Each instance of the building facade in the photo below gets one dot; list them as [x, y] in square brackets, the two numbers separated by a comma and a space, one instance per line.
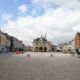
[4, 43]
[77, 40]
[3, 40]
[69, 47]
[43, 45]
[10, 43]
[28, 48]
[16, 44]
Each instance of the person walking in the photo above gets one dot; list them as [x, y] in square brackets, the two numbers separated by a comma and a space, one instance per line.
[78, 52]
[17, 51]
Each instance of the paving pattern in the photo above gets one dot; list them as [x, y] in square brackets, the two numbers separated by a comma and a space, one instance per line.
[40, 66]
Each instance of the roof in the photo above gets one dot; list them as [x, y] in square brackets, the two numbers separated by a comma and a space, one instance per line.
[38, 39]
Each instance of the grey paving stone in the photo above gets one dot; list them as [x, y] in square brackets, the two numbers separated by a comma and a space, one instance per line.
[40, 66]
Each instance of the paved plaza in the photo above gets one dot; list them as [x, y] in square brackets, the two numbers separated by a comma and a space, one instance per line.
[40, 66]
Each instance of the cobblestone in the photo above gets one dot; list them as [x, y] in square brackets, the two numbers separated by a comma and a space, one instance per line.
[40, 66]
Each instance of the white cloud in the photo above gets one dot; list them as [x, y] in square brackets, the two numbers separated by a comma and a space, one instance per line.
[59, 24]
[66, 4]
[22, 8]
[33, 12]
[6, 17]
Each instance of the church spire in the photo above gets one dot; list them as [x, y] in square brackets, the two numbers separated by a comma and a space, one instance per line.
[41, 36]
[45, 36]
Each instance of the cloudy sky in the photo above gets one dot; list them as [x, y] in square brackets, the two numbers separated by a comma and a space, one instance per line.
[28, 19]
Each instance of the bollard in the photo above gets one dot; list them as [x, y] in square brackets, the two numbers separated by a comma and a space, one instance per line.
[28, 55]
[72, 54]
[51, 55]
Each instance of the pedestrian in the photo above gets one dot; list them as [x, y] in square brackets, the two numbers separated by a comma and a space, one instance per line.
[78, 52]
[17, 51]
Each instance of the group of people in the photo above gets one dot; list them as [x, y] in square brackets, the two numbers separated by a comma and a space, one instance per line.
[19, 52]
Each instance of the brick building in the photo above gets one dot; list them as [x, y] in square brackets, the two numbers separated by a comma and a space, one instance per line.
[77, 40]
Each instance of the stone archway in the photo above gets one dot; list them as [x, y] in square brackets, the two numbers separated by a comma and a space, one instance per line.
[52, 49]
[40, 49]
[45, 49]
[36, 49]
